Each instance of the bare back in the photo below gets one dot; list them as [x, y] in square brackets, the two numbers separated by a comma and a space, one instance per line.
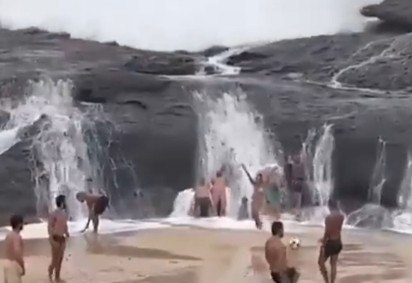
[14, 246]
[333, 225]
[276, 255]
[91, 200]
[219, 186]
[58, 223]
[202, 191]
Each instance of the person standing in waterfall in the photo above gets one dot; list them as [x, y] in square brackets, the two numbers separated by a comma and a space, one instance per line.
[203, 199]
[96, 204]
[298, 179]
[58, 233]
[331, 242]
[258, 196]
[219, 192]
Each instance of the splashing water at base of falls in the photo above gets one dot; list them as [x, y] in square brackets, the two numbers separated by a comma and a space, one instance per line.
[168, 25]
[59, 150]
[231, 133]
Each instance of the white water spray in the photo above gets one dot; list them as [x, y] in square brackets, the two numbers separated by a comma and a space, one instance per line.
[231, 133]
[169, 25]
[59, 148]
[405, 194]
[322, 165]
[378, 176]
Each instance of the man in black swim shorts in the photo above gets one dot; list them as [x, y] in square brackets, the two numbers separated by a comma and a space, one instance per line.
[331, 242]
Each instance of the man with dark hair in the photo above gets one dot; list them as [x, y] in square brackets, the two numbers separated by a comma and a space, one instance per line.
[276, 257]
[14, 265]
[331, 241]
[58, 232]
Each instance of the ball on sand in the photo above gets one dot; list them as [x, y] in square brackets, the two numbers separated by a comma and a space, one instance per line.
[294, 243]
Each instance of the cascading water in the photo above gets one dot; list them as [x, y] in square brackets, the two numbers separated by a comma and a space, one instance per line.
[231, 133]
[59, 150]
[318, 148]
[378, 177]
[373, 214]
[322, 165]
[405, 195]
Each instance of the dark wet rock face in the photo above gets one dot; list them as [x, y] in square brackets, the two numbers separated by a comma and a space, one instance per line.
[148, 126]
[162, 64]
[394, 12]
[17, 189]
[4, 118]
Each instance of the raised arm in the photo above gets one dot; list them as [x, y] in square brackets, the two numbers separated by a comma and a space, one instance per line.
[248, 175]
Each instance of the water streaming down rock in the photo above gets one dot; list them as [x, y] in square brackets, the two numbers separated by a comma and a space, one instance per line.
[405, 194]
[59, 152]
[373, 214]
[378, 176]
[231, 133]
[322, 165]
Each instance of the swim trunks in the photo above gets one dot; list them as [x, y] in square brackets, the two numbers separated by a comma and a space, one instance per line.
[289, 276]
[204, 205]
[101, 204]
[333, 247]
[59, 239]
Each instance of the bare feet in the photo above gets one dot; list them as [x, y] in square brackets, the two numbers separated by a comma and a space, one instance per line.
[50, 273]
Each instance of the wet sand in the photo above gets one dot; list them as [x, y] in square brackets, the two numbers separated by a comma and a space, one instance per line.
[193, 255]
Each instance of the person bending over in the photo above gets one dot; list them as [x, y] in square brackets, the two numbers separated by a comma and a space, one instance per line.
[96, 205]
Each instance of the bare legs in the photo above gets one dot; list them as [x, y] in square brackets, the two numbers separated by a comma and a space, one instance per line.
[95, 220]
[322, 267]
[57, 255]
[333, 266]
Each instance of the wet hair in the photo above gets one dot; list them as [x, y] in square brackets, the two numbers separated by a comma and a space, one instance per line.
[244, 200]
[61, 201]
[89, 180]
[15, 221]
[277, 228]
[333, 204]
[219, 174]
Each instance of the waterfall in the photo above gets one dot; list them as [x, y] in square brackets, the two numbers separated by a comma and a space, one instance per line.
[378, 176]
[405, 194]
[231, 133]
[59, 152]
[322, 165]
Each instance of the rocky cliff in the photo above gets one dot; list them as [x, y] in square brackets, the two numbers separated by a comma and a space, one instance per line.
[359, 82]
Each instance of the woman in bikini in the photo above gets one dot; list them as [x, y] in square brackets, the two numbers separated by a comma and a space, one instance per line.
[258, 197]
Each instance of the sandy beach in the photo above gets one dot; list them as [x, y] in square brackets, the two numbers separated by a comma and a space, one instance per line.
[194, 255]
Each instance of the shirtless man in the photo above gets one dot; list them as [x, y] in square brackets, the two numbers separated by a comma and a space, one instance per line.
[331, 242]
[96, 205]
[14, 264]
[218, 192]
[258, 196]
[203, 199]
[276, 257]
[58, 233]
